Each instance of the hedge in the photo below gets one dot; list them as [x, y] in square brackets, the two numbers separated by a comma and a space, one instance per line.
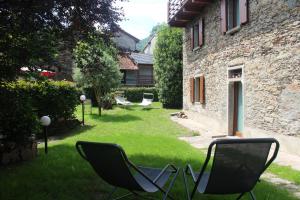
[24, 102]
[17, 118]
[135, 94]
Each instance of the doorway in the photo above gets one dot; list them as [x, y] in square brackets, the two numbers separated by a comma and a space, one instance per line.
[236, 108]
[238, 114]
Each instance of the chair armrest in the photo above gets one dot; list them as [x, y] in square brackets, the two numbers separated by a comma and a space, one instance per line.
[80, 151]
[189, 170]
[164, 170]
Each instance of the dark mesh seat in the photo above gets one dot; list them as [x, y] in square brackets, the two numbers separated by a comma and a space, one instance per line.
[237, 166]
[111, 163]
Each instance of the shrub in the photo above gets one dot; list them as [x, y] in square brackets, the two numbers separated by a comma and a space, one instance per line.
[58, 99]
[135, 94]
[108, 101]
[17, 118]
[168, 67]
[23, 103]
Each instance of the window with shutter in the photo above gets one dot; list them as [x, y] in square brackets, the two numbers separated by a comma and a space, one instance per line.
[192, 37]
[243, 11]
[233, 14]
[197, 33]
[201, 31]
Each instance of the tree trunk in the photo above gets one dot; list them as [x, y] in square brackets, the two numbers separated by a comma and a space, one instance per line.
[99, 107]
[98, 98]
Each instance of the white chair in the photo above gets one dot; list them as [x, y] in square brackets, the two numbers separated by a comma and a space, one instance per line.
[147, 99]
[122, 101]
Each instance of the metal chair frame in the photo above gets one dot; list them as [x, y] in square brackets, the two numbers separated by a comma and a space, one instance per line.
[169, 167]
[189, 170]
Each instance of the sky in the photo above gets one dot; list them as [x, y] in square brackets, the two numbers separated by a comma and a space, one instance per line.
[142, 15]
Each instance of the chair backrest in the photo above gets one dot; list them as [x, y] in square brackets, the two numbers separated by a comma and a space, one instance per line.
[120, 100]
[110, 163]
[148, 96]
[238, 164]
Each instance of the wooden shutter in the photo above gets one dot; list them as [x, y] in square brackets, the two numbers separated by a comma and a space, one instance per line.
[243, 11]
[201, 31]
[223, 17]
[202, 90]
[199, 89]
[192, 37]
[192, 86]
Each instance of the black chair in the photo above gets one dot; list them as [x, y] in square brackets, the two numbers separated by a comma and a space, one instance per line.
[112, 165]
[236, 167]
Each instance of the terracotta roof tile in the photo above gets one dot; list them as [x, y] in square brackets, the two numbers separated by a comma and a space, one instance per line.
[126, 63]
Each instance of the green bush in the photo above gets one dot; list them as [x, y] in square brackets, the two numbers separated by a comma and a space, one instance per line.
[135, 94]
[23, 103]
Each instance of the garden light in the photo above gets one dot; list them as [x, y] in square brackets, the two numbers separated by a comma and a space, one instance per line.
[45, 122]
[82, 99]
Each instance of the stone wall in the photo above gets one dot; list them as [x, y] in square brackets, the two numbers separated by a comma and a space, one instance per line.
[268, 47]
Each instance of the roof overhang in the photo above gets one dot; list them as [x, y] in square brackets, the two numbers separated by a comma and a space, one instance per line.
[181, 12]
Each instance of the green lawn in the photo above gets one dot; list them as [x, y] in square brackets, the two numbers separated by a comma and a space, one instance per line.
[148, 137]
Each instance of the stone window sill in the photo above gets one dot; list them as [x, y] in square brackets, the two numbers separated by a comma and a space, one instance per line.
[233, 30]
[195, 49]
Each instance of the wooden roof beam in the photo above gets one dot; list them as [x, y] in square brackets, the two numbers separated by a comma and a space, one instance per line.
[190, 12]
[200, 2]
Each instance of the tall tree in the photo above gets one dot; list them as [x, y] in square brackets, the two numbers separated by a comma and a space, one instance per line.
[168, 66]
[97, 62]
[30, 30]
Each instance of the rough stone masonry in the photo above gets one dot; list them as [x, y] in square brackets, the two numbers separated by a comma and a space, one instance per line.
[268, 48]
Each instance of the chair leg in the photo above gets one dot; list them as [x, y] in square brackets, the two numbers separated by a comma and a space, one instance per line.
[240, 196]
[171, 186]
[186, 186]
[141, 196]
[121, 197]
[125, 195]
[252, 195]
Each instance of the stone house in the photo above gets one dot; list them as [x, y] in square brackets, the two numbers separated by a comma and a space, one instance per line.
[241, 66]
[137, 68]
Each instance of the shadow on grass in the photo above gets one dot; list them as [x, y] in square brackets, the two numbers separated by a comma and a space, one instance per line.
[75, 131]
[149, 108]
[63, 174]
[115, 118]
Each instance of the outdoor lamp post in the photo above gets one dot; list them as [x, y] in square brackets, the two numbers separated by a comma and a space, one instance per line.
[82, 99]
[45, 122]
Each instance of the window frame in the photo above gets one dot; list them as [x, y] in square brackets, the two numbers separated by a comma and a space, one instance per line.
[233, 11]
[197, 86]
[197, 42]
[195, 39]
